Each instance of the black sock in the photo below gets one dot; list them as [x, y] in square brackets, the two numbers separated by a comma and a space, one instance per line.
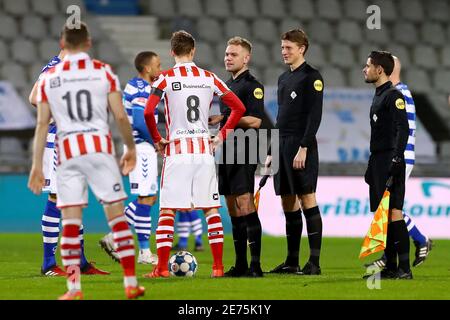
[240, 241]
[314, 227]
[402, 244]
[294, 226]
[254, 233]
[391, 250]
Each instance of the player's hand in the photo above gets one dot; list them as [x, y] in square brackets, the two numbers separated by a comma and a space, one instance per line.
[36, 181]
[128, 161]
[213, 120]
[160, 146]
[216, 142]
[267, 163]
[300, 159]
[396, 167]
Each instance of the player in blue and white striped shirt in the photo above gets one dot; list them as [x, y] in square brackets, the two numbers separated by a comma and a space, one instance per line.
[422, 243]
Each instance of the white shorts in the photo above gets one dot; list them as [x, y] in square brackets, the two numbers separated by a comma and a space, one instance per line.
[98, 170]
[50, 162]
[188, 181]
[144, 177]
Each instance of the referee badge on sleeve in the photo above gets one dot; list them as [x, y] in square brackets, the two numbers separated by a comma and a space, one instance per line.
[400, 103]
[258, 93]
[318, 85]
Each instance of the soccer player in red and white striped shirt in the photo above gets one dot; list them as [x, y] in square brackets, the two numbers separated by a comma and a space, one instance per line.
[188, 178]
[76, 93]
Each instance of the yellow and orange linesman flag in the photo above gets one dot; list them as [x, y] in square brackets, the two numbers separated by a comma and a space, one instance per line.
[375, 239]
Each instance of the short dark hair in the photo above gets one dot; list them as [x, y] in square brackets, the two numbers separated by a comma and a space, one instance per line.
[298, 36]
[142, 59]
[383, 59]
[182, 43]
[75, 37]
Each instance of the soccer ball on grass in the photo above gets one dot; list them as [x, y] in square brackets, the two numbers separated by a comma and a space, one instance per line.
[183, 264]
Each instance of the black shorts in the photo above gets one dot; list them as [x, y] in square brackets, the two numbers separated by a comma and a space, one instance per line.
[287, 180]
[236, 179]
[376, 176]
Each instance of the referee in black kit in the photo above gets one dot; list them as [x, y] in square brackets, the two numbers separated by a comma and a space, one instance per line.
[237, 181]
[300, 98]
[388, 139]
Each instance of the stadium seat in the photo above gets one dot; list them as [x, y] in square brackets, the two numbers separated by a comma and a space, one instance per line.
[245, 9]
[417, 80]
[237, 27]
[4, 54]
[411, 10]
[432, 33]
[209, 30]
[402, 53]
[34, 27]
[48, 48]
[356, 78]
[190, 8]
[64, 4]
[315, 55]
[95, 29]
[217, 9]
[320, 31]
[349, 32]
[219, 52]
[219, 71]
[11, 146]
[302, 9]
[264, 30]
[15, 73]
[273, 9]
[329, 9]
[425, 57]
[204, 54]
[362, 53]
[378, 36]
[260, 55]
[388, 10]
[46, 8]
[445, 56]
[332, 77]
[438, 10]
[8, 27]
[276, 54]
[125, 72]
[355, 9]
[35, 70]
[24, 51]
[405, 33]
[162, 9]
[16, 7]
[289, 24]
[56, 24]
[441, 80]
[108, 52]
[341, 55]
[271, 75]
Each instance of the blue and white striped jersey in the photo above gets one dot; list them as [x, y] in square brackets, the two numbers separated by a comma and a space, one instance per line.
[411, 113]
[135, 98]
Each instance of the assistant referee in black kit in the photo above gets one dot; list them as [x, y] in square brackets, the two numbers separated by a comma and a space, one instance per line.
[237, 180]
[388, 139]
[300, 98]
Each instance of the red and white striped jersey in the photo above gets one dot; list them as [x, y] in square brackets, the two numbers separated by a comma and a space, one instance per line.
[77, 91]
[188, 93]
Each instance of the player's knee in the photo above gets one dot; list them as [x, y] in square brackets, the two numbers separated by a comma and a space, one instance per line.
[290, 203]
[245, 204]
[210, 211]
[308, 201]
[149, 200]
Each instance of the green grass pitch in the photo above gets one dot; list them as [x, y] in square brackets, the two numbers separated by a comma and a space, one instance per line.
[20, 261]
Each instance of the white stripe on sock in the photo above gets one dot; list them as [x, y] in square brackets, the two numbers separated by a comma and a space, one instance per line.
[50, 229]
[51, 219]
[163, 244]
[165, 228]
[130, 281]
[66, 240]
[50, 239]
[122, 234]
[76, 222]
[216, 240]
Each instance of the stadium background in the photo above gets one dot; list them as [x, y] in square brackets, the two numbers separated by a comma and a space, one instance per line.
[416, 31]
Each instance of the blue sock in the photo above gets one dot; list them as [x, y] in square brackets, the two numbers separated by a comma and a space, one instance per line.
[50, 233]
[183, 225]
[83, 261]
[413, 231]
[196, 226]
[129, 211]
[142, 224]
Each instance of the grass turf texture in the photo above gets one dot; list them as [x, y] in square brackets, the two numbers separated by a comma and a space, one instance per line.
[21, 256]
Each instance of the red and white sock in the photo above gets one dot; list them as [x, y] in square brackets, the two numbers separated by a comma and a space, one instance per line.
[215, 237]
[124, 245]
[71, 252]
[164, 238]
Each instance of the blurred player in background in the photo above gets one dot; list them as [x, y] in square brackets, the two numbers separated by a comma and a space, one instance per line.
[144, 177]
[52, 215]
[189, 222]
[188, 178]
[77, 92]
[422, 243]
[236, 180]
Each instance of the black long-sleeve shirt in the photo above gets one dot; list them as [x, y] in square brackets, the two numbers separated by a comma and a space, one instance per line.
[388, 121]
[300, 100]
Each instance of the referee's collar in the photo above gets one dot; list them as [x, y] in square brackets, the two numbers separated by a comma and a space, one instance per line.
[76, 56]
[383, 87]
[300, 67]
[242, 75]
